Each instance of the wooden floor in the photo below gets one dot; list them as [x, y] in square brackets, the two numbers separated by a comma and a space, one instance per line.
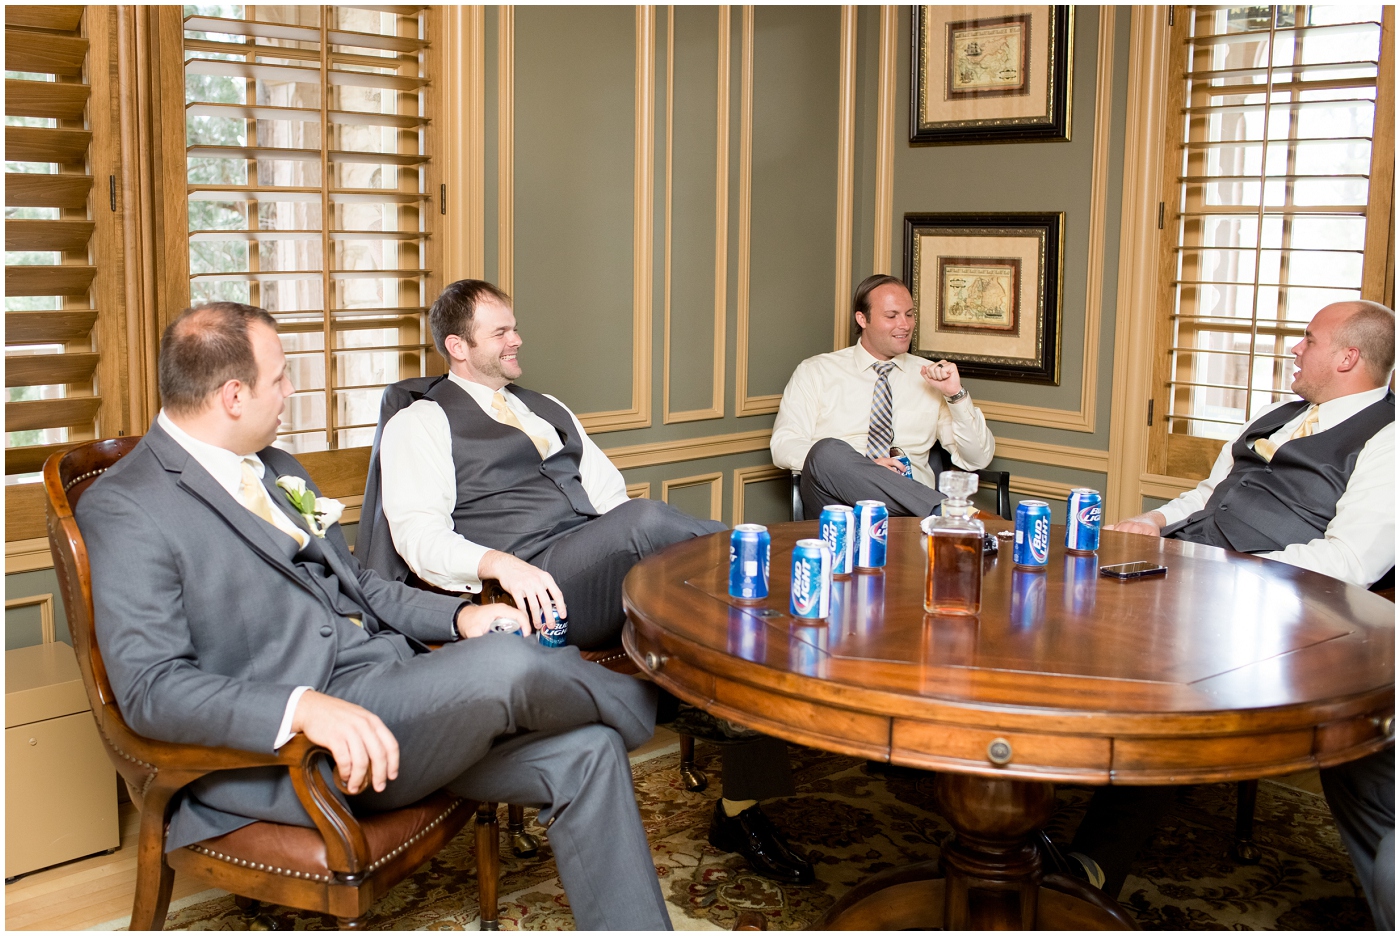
[96, 891]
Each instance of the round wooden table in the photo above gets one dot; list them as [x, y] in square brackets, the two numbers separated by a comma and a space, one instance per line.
[1229, 667]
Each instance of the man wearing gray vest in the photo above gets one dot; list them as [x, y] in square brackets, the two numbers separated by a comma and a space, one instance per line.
[483, 478]
[1310, 482]
[231, 616]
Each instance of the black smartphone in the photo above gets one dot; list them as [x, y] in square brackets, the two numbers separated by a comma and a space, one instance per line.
[1132, 570]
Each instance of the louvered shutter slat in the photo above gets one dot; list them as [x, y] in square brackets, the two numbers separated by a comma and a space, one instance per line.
[32, 370]
[26, 234]
[39, 190]
[49, 327]
[46, 414]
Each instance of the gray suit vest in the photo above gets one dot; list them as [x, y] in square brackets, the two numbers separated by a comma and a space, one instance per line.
[1265, 506]
[507, 498]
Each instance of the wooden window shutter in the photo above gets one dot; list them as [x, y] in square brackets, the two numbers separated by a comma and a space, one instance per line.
[62, 265]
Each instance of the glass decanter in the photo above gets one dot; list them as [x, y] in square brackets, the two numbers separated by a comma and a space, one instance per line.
[954, 582]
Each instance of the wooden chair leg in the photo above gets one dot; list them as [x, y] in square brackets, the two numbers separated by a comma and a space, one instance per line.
[693, 777]
[488, 864]
[522, 843]
[154, 876]
[1244, 849]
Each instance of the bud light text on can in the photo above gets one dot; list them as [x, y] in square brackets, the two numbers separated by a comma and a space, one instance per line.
[553, 629]
[872, 527]
[749, 545]
[1083, 516]
[838, 529]
[1032, 549]
[811, 579]
[905, 464]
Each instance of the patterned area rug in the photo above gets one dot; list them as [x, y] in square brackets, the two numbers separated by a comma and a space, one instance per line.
[855, 823]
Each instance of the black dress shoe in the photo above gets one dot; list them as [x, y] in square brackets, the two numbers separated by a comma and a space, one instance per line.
[753, 835]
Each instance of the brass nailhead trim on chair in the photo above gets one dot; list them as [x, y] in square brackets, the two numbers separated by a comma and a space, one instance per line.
[620, 655]
[324, 878]
[81, 478]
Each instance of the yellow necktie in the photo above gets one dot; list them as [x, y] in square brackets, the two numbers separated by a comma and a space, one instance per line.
[506, 415]
[1307, 427]
[253, 495]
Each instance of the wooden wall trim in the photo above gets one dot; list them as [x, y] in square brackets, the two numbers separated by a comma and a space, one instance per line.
[638, 415]
[505, 149]
[462, 60]
[1163, 486]
[1062, 456]
[639, 490]
[28, 555]
[47, 631]
[1137, 262]
[745, 405]
[716, 408]
[1083, 419]
[647, 454]
[752, 475]
[714, 480]
[1037, 487]
[885, 130]
[845, 177]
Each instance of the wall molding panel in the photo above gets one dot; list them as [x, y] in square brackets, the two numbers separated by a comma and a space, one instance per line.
[677, 450]
[1036, 487]
[505, 147]
[47, 629]
[845, 178]
[1061, 456]
[463, 57]
[27, 555]
[716, 408]
[885, 124]
[635, 491]
[754, 475]
[1083, 419]
[1163, 486]
[714, 480]
[745, 405]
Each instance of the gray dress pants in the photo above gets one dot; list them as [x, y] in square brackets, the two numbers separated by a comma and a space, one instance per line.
[835, 473]
[498, 718]
[1361, 795]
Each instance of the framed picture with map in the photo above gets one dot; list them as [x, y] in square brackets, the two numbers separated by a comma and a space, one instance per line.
[986, 74]
[988, 289]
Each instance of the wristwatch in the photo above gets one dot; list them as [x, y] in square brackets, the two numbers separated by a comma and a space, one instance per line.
[957, 396]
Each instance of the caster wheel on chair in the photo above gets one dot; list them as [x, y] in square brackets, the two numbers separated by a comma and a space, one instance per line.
[694, 778]
[524, 845]
[1245, 852]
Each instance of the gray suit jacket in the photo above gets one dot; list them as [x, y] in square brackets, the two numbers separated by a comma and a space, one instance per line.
[208, 618]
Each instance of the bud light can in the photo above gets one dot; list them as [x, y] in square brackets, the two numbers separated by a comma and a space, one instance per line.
[553, 629]
[748, 561]
[906, 465]
[1083, 514]
[1032, 550]
[811, 579]
[872, 525]
[838, 528]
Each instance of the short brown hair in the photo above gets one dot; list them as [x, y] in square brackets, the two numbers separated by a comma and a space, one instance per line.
[1371, 330]
[204, 348]
[454, 310]
[861, 301]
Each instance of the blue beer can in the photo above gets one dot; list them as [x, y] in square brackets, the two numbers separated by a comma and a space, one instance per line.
[1083, 515]
[748, 561]
[811, 579]
[1032, 550]
[553, 629]
[838, 527]
[872, 525]
[905, 464]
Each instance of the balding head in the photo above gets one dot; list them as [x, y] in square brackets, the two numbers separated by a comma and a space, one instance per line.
[1369, 328]
[205, 347]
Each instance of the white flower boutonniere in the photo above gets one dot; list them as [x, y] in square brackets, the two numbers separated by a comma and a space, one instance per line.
[318, 512]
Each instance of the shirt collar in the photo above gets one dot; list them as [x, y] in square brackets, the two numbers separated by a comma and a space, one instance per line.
[481, 393]
[225, 466]
[864, 360]
[1334, 412]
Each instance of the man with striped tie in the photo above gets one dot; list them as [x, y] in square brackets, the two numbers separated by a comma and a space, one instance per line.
[842, 412]
[1310, 482]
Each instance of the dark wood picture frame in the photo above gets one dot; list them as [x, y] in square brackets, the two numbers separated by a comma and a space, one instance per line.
[1034, 307]
[929, 66]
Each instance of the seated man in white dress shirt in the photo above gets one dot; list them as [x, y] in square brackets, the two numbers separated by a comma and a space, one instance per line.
[483, 478]
[1310, 482]
[843, 411]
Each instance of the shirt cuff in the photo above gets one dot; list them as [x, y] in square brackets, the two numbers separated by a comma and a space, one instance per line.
[963, 409]
[1172, 512]
[284, 731]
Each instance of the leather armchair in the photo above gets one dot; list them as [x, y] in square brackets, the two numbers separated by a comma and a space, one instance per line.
[340, 867]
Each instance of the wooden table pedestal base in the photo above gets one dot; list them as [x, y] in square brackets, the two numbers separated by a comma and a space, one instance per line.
[989, 878]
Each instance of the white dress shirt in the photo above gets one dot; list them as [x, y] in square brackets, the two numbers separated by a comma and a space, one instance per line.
[1358, 545]
[227, 469]
[829, 397]
[420, 484]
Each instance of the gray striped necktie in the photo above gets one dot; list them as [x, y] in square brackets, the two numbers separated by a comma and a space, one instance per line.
[881, 436]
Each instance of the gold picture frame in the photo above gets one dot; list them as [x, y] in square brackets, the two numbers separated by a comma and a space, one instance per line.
[984, 74]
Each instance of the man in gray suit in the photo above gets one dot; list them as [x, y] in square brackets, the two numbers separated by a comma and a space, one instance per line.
[230, 617]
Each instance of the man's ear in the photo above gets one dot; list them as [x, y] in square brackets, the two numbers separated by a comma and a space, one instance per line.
[1349, 361]
[230, 397]
[456, 347]
[862, 320]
